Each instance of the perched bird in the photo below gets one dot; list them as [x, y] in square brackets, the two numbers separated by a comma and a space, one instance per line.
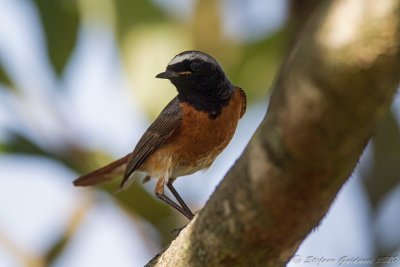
[190, 132]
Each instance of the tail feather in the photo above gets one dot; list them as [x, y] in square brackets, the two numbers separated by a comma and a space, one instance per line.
[106, 173]
[126, 183]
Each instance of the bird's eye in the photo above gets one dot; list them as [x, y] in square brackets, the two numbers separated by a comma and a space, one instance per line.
[195, 65]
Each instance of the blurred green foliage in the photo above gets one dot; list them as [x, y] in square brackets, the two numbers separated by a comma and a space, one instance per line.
[4, 79]
[384, 174]
[60, 20]
[131, 14]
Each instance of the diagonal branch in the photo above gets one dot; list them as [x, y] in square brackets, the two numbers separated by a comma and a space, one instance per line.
[337, 82]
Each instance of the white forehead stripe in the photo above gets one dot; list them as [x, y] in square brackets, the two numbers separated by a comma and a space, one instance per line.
[189, 56]
[180, 58]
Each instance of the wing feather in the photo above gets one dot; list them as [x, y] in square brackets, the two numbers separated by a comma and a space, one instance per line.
[168, 120]
[244, 101]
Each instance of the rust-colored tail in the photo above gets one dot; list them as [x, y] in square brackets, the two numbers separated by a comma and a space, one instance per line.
[108, 172]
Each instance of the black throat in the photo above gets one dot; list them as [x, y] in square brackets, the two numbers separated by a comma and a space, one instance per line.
[208, 101]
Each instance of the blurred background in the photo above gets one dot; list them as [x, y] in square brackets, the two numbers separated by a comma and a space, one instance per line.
[77, 90]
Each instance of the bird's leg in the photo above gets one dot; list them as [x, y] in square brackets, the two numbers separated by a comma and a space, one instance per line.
[159, 191]
[178, 197]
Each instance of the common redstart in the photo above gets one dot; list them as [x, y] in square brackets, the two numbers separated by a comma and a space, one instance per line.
[190, 132]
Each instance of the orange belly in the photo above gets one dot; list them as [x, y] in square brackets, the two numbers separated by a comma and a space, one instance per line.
[196, 143]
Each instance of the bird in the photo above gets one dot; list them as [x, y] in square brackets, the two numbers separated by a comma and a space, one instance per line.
[189, 133]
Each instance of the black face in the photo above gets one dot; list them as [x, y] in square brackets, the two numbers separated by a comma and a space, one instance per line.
[199, 80]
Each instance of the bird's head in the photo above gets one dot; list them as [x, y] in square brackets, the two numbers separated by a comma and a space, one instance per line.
[196, 72]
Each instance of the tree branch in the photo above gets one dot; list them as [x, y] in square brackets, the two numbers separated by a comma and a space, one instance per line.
[337, 82]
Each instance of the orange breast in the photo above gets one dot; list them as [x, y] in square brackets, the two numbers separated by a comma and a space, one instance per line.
[196, 143]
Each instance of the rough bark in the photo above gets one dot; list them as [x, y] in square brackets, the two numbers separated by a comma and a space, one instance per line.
[337, 82]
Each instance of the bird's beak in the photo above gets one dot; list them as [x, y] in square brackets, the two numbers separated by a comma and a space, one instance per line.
[167, 75]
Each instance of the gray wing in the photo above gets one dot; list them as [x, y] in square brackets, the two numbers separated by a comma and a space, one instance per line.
[168, 120]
